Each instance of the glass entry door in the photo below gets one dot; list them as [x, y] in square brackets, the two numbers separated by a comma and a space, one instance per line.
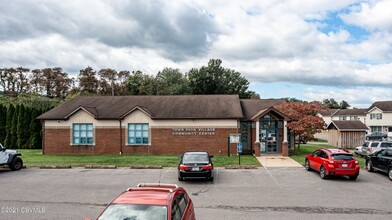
[269, 140]
[268, 135]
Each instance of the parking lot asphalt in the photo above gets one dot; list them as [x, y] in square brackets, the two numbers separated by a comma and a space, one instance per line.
[264, 193]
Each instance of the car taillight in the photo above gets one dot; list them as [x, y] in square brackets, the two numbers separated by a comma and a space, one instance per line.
[208, 167]
[356, 162]
[183, 167]
[369, 149]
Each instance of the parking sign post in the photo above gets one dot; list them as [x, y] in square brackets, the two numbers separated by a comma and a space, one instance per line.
[239, 151]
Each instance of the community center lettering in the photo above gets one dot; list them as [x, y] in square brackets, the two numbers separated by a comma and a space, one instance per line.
[193, 131]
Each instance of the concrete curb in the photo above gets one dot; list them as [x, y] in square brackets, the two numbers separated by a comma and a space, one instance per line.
[145, 167]
[241, 167]
[100, 167]
[55, 167]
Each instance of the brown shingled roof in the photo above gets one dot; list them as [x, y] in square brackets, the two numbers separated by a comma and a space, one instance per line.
[159, 107]
[328, 111]
[385, 106]
[348, 125]
[354, 111]
[250, 107]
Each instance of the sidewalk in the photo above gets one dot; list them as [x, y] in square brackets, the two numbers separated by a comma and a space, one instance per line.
[277, 161]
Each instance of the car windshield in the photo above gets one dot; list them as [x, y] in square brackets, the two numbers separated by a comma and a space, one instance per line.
[342, 157]
[134, 212]
[195, 158]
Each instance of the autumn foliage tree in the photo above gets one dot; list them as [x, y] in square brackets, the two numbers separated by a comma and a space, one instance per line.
[304, 122]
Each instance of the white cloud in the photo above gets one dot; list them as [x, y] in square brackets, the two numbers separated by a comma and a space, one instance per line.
[356, 97]
[371, 16]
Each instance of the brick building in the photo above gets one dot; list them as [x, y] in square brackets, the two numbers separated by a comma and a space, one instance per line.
[88, 125]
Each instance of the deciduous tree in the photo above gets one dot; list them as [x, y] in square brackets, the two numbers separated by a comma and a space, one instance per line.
[108, 81]
[139, 83]
[344, 105]
[304, 121]
[88, 81]
[215, 79]
[172, 82]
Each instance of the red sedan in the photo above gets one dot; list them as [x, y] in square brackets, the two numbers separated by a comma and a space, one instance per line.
[333, 162]
[155, 201]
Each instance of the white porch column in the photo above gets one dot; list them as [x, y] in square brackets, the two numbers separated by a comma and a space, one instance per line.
[257, 131]
[285, 131]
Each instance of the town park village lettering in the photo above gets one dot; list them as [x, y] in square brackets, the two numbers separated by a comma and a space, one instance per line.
[193, 131]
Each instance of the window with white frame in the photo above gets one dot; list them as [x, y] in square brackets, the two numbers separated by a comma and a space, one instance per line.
[342, 118]
[354, 118]
[375, 116]
[138, 134]
[375, 128]
[82, 133]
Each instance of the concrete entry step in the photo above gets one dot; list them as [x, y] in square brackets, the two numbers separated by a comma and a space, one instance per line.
[277, 161]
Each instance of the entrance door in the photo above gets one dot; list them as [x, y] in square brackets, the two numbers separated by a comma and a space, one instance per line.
[272, 145]
[269, 140]
[269, 127]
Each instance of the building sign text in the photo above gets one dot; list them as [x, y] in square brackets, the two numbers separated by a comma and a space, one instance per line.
[193, 131]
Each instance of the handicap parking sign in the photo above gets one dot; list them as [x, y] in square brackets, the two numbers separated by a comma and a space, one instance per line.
[239, 148]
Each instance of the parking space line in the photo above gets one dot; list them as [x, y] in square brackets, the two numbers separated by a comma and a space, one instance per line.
[216, 176]
[272, 177]
[161, 176]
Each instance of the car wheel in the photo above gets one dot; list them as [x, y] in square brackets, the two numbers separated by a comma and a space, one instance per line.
[16, 164]
[307, 165]
[323, 174]
[211, 179]
[369, 166]
[353, 177]
[390, 174]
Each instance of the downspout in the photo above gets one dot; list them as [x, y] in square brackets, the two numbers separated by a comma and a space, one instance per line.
[43, 136]
[121, 148]
[251, 138]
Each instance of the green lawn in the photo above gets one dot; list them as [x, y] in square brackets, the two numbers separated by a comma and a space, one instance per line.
[307, 149]
[34, 158]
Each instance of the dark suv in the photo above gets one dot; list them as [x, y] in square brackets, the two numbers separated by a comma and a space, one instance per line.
[381, 161]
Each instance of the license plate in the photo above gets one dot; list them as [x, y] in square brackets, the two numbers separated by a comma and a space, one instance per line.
[195, 169]
[344, 165]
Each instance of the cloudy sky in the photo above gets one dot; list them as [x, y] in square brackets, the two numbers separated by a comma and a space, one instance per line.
[307, 49]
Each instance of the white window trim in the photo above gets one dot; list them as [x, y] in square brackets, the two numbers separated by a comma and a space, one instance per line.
[135, 144]
[71, 136]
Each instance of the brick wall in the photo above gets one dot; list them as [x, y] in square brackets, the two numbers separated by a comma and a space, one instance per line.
[107, 141]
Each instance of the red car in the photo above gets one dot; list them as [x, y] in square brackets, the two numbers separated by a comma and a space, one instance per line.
[333, 162]
[155, 201]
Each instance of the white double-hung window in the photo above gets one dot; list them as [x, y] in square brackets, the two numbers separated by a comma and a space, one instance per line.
[138, 134]
[375, 116]
[82, 133]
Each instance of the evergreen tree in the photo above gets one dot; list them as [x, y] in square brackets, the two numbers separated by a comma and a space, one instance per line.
[35, 130]
[10, 116]
[26, 133]
[14, 124]
[3, 123]
[19, 127]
